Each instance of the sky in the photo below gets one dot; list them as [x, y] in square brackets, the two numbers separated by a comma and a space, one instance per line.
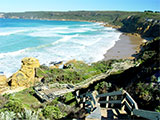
[75, 5]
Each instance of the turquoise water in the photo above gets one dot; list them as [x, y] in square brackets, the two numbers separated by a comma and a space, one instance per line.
[51, 41]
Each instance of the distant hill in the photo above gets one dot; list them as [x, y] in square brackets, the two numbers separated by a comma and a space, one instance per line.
[143, 23]
[106, 16]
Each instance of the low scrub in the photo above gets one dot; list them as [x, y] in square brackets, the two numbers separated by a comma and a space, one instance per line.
[73, 72]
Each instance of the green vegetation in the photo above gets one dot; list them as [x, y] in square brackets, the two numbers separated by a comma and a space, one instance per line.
[26, 97]
[52, 112]
[69, 99]
[14, 106]
[158, 109]
[112, 17]
[23, 105]
[74, 72]
[103, 87]
[104, 66]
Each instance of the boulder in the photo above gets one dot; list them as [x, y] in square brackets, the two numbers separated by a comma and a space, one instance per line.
[25, 77]
[56, 65]
[69, 64]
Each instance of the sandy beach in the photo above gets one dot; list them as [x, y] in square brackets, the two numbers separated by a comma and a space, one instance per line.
[126, 47]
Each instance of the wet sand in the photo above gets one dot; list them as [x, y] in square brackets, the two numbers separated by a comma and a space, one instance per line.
[126, 47]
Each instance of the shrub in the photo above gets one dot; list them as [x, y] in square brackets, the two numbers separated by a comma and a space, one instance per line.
[103, 66]
[69, 99]
[52, 112]
[13, 105]
[103, 86]
[55, 101]
[157, 109]
[75, 74]
[31, 91]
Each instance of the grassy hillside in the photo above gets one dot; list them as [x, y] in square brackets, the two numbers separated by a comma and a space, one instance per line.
[112, 17]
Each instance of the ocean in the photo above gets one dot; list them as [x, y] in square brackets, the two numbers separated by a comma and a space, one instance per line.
[52, 41]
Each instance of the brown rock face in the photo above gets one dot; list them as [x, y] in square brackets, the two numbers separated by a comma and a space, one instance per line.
[69, 64]
[3, 83]
[3, 80]
[26, 75]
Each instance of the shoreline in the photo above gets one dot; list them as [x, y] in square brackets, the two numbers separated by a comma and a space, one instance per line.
[125, 48]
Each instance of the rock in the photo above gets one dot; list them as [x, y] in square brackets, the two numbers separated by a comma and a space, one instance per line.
[113, 26]
[69, 64]
[3, 83]
[56, 64]
[3, 80]
[25, 77]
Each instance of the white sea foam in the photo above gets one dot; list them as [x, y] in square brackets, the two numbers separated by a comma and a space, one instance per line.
[10, 32]
[2, 55]
[42, 34]
[65, 38]
[52, 32]
[109, 28]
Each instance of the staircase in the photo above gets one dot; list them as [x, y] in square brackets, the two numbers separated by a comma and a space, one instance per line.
[112, 106]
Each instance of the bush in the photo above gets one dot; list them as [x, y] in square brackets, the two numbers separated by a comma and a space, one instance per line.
[52, 112]
[31, 91]
[55, 101]
[103, 86]
[157, 109]
[103, 66]
[68, 99]
[144, 91]
[13, 105]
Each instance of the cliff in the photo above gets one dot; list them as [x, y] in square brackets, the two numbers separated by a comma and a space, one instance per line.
[144, 26]
[142, 82]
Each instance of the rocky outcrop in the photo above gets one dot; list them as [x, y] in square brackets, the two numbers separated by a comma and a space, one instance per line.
[113, 26]
[3, 80]
[26, 75]
[3, 83]
[144, 27]
[69, 64]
